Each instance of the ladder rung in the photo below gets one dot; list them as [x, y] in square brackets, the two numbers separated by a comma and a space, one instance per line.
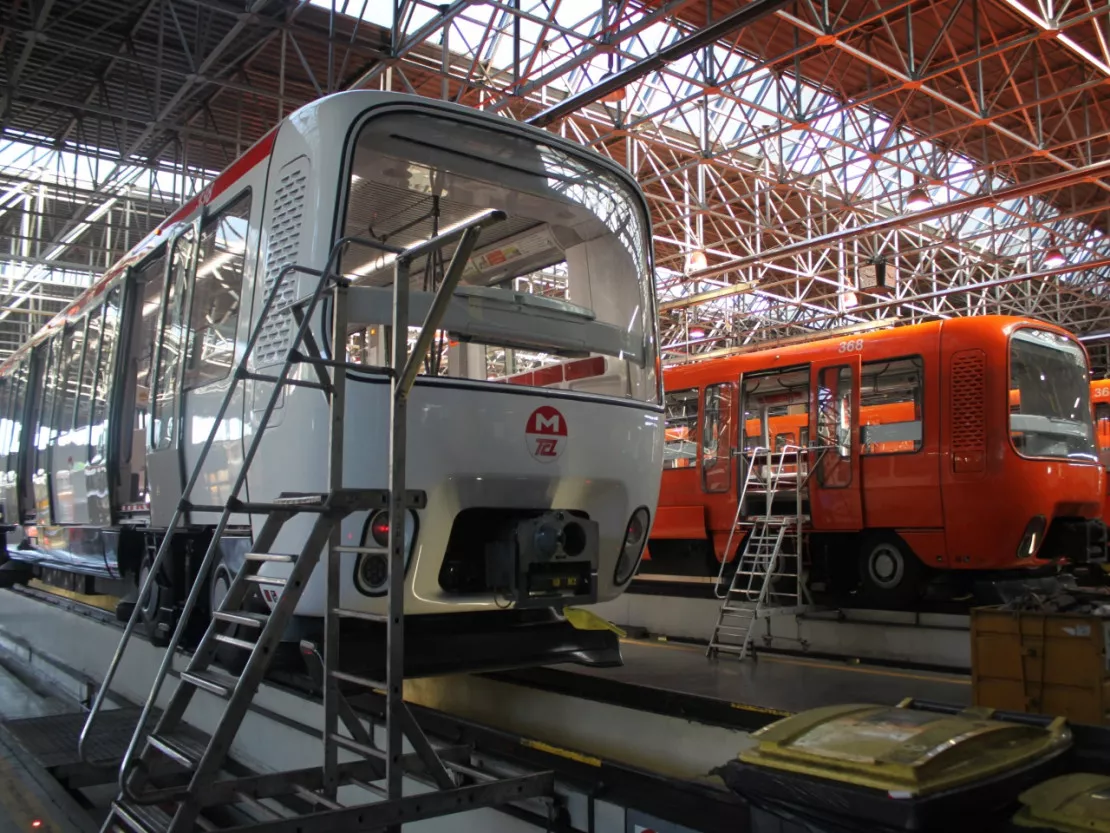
[278, 557]
[363, 550]
[185, 751]
[360, 748]
[307, 499]
[315, 798]
[211, 681]
[237, 643]
[276, 581]
[301, 358]
[726, 629]
[362, 681]
[242, 617]
[297, 383]
[365, 615]
[727, 647]
[141, 817]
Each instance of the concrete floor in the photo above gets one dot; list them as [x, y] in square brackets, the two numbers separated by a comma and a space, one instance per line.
[775, 682]
[30, 799]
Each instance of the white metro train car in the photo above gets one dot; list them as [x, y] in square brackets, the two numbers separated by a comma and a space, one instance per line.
[541, 397]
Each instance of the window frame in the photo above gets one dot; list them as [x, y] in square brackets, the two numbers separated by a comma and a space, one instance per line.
[922, 387]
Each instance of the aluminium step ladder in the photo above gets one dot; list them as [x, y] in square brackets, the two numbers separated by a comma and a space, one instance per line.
[179, 803]
[769, 578]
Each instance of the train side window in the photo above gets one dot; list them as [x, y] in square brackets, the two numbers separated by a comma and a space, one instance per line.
[98, 436]
[716, 437]
[88, 376]
[679, 447]
[834, 426]
[72, 350]
[1102, 431]
[783, 440]
[214, 311]
[892, 406]
[45, 416]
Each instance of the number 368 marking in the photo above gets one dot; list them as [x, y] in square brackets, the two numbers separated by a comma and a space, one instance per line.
[851, 346]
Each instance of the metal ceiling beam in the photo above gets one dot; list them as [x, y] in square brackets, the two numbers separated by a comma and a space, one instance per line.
[707, 36]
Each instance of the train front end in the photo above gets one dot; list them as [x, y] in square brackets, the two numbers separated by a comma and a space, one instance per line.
[535, 425]
[1032, 497]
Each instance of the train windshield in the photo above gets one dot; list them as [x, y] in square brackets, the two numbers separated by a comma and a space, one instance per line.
[1050, 405]
[557, 295]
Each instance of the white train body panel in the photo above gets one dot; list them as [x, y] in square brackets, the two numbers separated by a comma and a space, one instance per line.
[468, 447]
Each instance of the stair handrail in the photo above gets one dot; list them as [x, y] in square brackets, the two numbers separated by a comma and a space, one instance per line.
[735, 523]
[324, 277]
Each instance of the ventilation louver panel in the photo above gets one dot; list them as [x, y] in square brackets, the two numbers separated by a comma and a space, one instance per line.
[967, 386]
[286, 219]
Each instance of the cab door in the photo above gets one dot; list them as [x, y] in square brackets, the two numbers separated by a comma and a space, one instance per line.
[165, 470]
[835, 481]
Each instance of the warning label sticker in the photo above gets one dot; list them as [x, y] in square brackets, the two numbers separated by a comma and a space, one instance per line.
[545, 435]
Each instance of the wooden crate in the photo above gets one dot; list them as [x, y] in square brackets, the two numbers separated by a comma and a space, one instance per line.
[1046, 663]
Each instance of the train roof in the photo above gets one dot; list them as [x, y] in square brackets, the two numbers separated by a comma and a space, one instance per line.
[900, 339]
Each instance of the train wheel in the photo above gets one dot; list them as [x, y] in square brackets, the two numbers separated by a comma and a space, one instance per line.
[890, 574]
[150, 608]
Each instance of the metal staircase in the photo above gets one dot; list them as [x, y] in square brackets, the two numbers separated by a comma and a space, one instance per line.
[769, 579]
[168, 780]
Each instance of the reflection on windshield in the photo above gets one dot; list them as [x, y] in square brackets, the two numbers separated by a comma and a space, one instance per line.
[558, 294]
[1050, 406]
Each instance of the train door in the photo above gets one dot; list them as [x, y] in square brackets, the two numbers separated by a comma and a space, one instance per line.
[774, 416]
[211, 336]
[834, 485]
[164, 463]
[128, 438]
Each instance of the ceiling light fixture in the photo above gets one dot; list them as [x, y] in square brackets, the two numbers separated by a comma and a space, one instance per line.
[1054, 258]
[918, 199]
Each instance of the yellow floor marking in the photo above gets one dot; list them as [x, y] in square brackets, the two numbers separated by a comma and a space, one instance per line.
[569, 754]
[103, 602]
[873, 670]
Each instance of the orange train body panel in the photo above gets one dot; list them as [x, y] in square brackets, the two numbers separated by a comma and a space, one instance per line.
[962, 433]
[1100, 403]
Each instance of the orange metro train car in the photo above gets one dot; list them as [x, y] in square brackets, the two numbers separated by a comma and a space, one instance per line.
[960, 447]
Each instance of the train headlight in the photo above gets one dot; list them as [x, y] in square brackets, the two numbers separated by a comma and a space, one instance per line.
[372, 568]
[635, 537]
[1033, 537]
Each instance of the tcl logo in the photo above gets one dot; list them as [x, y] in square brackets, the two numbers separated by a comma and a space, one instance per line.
[545, 434]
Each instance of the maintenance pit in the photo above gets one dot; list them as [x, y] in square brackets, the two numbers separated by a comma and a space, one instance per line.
[628, 746]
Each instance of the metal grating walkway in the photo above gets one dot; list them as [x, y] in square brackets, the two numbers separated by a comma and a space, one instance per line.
[52, 740]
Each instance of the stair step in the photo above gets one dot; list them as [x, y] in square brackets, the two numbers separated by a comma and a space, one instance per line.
[365, 682]
[211, 681]
[242, 617]
[727, 647]
[142, 818]
[234, 642]
[365, 615]
[276, 557]
[183, 749]
[726, 629]
[363, 550]
[360, 748]
[276, 581]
